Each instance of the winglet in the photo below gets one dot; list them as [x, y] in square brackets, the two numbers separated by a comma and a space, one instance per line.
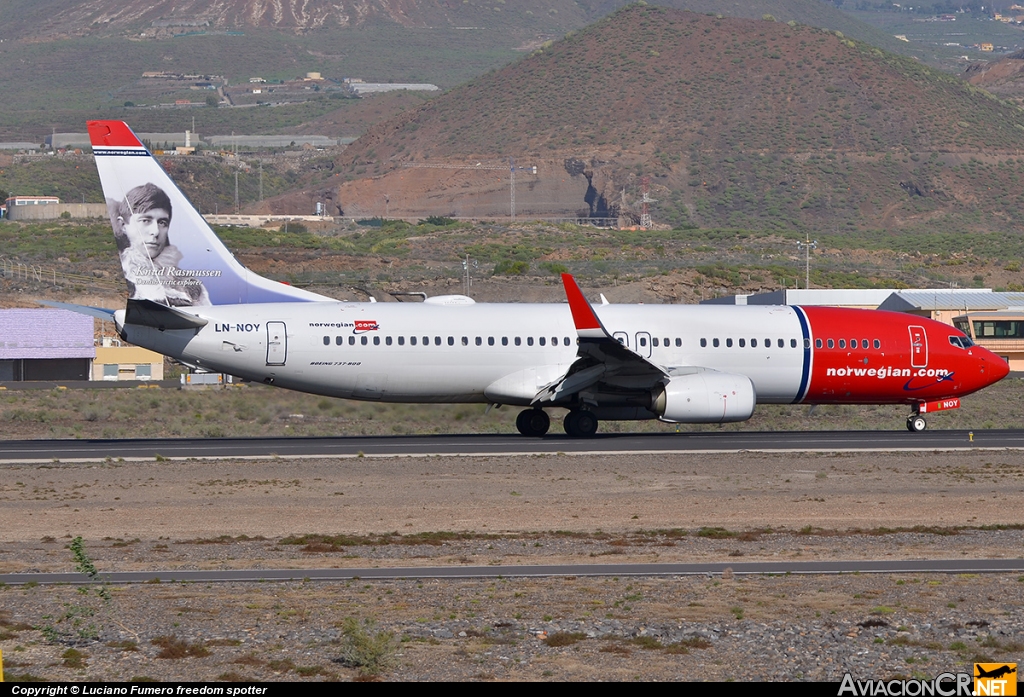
[587, 324]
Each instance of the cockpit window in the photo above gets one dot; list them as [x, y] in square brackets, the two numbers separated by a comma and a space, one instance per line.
[961, 341]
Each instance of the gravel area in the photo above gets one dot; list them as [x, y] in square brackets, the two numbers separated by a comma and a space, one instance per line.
[554, 509]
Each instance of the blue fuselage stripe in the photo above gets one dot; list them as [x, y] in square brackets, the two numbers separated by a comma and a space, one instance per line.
[805, 373]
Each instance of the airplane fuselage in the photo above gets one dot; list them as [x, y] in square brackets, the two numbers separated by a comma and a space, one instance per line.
[506, 353]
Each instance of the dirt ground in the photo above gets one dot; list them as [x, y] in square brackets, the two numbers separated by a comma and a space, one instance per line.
[516, 510]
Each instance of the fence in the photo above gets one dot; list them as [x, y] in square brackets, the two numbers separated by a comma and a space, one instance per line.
[30, 272]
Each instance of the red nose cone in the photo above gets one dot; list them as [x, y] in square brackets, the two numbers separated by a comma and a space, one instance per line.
[1000, 368]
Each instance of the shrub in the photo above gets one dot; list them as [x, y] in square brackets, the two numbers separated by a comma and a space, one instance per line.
[365, 648]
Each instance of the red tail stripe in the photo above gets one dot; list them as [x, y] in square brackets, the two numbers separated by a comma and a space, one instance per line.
[114, 134]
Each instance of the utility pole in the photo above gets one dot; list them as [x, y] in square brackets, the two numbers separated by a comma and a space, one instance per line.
[807, 247]
[236, 190]
[261, 180]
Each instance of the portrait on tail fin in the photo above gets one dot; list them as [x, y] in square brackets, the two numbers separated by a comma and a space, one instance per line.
[141, 222]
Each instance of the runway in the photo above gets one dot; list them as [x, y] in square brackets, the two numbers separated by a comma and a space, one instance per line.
[510, 444]
[942, 566]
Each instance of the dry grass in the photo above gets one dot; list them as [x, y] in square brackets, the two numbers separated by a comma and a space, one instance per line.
[173, 648]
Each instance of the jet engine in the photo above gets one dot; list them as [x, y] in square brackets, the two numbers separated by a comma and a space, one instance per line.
[705, 396]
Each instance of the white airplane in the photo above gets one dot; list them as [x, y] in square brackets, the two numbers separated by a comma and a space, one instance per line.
[191, 300]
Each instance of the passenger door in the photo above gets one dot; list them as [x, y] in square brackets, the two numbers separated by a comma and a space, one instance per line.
[277, 343]
[918, 346]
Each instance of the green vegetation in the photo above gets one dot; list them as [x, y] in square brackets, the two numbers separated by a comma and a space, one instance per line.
[366, 648]
[82, 620]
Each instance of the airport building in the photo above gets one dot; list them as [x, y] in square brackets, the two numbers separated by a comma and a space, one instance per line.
[58, 345]
[45, 344]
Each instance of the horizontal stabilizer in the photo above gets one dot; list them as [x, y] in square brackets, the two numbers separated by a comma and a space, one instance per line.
[151, 314]
[97, 312]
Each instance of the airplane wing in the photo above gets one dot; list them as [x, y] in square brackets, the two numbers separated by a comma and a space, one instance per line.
[601, 359]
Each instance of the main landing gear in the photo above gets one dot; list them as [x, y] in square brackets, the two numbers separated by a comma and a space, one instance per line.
[916, 423]
[580, 424]
[533, 422]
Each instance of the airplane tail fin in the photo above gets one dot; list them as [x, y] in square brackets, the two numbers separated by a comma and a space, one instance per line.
[169, 254]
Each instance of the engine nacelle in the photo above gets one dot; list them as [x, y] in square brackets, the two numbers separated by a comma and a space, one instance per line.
[706, 396]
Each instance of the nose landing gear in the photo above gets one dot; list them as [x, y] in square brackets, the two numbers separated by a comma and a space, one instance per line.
[916, 423]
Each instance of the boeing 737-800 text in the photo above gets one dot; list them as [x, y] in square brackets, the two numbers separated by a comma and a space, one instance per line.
[191, 300]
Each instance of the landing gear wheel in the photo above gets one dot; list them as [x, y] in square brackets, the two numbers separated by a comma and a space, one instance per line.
[533, 422]
[580, 424]
[916, 423]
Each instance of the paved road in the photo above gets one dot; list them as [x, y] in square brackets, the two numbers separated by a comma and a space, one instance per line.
[958, 566]
[733, 441]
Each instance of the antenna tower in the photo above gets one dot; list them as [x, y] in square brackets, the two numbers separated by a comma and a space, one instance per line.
[645, 212]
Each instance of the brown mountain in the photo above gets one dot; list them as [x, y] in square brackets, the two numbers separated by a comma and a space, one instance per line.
[748, 123]
[1003, 77]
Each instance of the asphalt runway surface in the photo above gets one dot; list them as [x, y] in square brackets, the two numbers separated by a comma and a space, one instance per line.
[507, 444]
[949, 566]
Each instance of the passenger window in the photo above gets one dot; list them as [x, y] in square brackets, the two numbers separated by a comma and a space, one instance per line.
[714, 342]
[643, 341]
[703, 343]
[490, 341]
[362, 340]
[782, 344]
[437, 341]
[842, 343]
[679, 342]
[504, 341]
[479, 341]
[519, 342]
[753, 343]
[567, 343]
[401, 341]
[831, 343]
[654, 342]
[817, 343]
[451, 341]
[543, 341]
[387, 340]
[376, 341]
[863, 343]
[878, 344]
[767, 343]
[412, 341]
[351, 341]
[465, 341]
[554, 341]
[327, 341]
[426, 340]
[529, 341]
[743, 343]
[728, 343]
[807, 343]
[792, 343]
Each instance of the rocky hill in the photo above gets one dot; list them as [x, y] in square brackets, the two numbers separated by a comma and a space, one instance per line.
[1003, 77]
[737, 122]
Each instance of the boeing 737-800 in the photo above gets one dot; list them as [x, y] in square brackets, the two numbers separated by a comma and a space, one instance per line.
[191, 300]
